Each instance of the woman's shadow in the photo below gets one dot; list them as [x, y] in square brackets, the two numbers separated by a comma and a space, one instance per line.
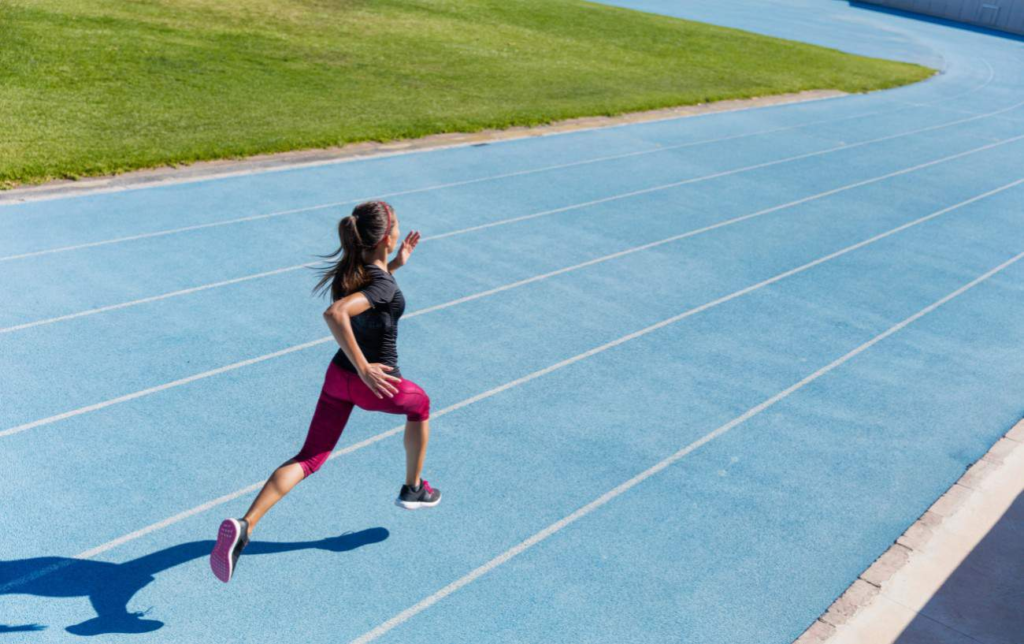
[111, 586]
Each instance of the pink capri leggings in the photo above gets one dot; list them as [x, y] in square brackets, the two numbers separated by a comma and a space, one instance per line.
[342, 391]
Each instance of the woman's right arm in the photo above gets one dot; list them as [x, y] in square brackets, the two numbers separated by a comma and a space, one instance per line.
[339, 320]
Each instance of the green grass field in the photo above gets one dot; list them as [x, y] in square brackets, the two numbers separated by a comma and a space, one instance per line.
[102, 86]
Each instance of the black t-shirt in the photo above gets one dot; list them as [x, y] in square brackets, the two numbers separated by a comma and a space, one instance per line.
[376, 330]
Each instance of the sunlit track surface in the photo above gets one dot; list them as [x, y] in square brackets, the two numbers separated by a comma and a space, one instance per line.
[689, 377]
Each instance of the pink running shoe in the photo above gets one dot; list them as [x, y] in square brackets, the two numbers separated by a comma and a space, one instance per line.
[423, 496]
[232, 538]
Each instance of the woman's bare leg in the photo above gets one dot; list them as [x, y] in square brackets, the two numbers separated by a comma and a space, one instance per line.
[280, 483]
[417, 434]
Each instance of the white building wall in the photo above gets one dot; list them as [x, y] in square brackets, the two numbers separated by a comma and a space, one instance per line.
[1005, 15]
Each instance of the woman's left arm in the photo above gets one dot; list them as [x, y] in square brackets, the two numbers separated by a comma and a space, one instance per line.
[404, 251]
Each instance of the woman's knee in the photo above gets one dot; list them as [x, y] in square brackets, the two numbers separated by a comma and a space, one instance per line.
[310, 463]
[325, 429]
[415, 402]
[419, 408]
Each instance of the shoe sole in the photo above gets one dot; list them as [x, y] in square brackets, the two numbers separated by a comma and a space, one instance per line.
[416, 505]
[220, 559]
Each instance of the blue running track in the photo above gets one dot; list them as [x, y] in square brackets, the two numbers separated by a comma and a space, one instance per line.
[689, 377]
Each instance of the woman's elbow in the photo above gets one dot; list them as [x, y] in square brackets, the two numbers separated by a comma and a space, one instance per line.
[334, 313]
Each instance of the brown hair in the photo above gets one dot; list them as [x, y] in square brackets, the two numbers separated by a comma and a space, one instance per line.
[365, 229]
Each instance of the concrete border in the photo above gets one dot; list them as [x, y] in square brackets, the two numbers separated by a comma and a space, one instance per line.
[855, 610]
[211, 170]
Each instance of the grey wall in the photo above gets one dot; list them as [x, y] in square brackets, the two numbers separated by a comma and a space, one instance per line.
[1005, 15]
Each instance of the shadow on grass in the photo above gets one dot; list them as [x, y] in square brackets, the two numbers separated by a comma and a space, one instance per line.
[110, 586]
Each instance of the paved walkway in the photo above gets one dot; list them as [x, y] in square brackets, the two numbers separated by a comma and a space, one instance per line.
[964, 581]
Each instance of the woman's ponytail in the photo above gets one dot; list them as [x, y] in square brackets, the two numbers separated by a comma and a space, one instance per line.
[346, 273]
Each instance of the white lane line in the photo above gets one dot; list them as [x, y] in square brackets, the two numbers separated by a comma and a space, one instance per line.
[154, 298]
[245, 278]
[716, 175]
[509, 385]
[988, 81]
[1008, 119]
[644, 191]
[276, 354]
[555, 527]
[167, 385]
[967, 92]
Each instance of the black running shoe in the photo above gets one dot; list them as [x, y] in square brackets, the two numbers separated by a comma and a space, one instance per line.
[232, 538]
[415, 498]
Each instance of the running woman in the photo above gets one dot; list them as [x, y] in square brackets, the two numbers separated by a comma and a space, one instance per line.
[363, 317]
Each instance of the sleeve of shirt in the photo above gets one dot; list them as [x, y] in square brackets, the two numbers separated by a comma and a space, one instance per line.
[380, 291]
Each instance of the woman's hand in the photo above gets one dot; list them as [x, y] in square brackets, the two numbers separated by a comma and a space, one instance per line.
[378, 380]
[339, 319]
[405, 250]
